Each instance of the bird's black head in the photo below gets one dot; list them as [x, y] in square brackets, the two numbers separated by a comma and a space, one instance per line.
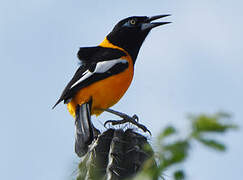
[130, 33]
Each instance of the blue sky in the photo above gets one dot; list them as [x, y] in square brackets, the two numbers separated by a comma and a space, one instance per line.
[193, 65]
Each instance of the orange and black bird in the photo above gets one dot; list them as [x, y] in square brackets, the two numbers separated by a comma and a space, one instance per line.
[105, 73]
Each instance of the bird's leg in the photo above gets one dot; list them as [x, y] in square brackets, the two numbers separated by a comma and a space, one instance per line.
[125, 119]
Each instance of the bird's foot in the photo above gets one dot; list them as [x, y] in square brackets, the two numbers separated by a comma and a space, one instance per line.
[125, 119]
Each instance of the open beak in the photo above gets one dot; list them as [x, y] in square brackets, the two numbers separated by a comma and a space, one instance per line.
[148, 25]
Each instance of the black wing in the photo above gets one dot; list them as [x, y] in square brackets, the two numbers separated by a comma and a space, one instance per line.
[93, 76]
[98, 53]
[92, 69]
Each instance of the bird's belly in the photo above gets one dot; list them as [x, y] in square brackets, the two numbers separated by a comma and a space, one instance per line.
[104, 93]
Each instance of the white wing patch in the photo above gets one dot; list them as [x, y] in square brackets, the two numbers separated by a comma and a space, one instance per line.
[104, 66]
[101, 67]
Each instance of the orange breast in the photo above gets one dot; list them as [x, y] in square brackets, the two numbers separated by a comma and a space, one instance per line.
[104, 93]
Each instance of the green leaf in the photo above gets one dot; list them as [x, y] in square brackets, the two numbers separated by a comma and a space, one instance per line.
[174, 153]
[203, 123]
[167, 132]
[179, 175]
[212, 144]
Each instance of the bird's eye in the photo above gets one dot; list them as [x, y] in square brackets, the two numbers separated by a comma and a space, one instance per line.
[133, 21]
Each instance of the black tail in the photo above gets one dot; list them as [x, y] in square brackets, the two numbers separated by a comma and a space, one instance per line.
[85, 130]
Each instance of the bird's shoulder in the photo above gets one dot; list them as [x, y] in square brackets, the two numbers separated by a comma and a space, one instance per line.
[98, 53]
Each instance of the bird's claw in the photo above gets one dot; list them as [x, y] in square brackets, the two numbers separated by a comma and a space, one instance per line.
[133, 120]
[135, 117]
[125, 119]
[144, 128]
[114, 122]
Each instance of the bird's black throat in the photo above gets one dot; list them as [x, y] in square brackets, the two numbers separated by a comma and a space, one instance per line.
[130, 40]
